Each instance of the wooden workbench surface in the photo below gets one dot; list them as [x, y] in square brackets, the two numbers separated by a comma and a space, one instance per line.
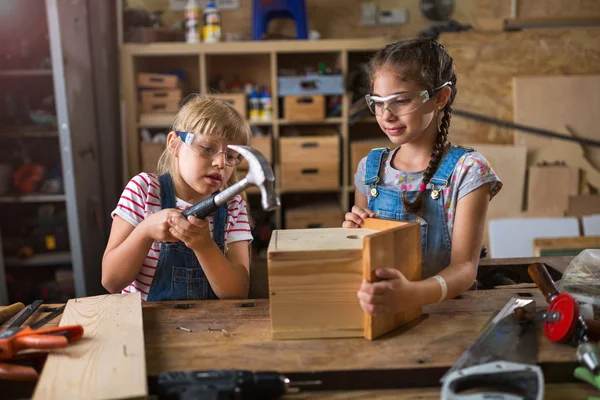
[417, 355]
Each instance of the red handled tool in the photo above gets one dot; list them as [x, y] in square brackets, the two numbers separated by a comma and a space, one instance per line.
[17, 338]
[562, 321]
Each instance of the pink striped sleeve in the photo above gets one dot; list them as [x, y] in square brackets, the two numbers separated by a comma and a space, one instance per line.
[238, 227]
[132, 204]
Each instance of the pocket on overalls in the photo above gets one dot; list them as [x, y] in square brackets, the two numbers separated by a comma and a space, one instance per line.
[189, 284]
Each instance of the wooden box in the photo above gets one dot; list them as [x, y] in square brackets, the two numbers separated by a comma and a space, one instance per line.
[158, 95]
[162, 81]
[314, 216]
[361, 148]
[236, 100]
[150, 154]
[310, 162]
[160, 106]
[314, 275]
[262, 144]
[304, 108]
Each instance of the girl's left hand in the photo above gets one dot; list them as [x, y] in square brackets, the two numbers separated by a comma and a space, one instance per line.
[193, 232]
[393, 294]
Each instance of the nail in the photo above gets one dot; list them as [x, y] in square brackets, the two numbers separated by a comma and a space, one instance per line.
[183, 329]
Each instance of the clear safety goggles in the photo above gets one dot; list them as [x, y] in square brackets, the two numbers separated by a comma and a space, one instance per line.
[209, 148]
[401, 103]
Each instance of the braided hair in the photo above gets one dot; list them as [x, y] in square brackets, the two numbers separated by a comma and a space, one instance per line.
[425, 61]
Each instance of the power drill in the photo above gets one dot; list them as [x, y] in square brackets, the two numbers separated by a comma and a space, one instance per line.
[225, 384]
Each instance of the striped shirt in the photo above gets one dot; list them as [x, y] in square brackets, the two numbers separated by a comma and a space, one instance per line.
[141, 198]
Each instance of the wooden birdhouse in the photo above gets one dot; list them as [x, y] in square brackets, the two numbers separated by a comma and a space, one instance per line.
[314, 275]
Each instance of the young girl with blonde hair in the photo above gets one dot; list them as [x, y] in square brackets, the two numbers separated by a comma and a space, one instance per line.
[156, 251]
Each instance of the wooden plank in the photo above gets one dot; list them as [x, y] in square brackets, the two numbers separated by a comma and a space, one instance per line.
[579, 206]
[109, 362]
[559, 245]
[399, 248]
[435, 341]
[549, 187]
[579, 94]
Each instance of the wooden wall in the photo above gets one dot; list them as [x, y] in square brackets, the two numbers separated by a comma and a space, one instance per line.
[340, 18]
[487, 62]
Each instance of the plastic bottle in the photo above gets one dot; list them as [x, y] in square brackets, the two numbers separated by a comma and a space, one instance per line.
[212, 24]
[266, 108]
[192, 21]
[254, 106]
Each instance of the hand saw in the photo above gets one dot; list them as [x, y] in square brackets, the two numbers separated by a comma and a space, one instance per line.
[501, 363]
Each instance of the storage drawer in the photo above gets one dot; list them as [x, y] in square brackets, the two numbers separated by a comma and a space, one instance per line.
[262, 144]
[164, 81]
[324, 215]
[160, 107]
[315, 84]
[361, 148]
[153, 96]
[236, 100]
[311, 162]
[304, 108]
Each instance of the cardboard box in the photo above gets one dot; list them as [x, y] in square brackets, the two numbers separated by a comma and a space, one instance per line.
[304, 108]
[314, 275]
[158, 95]
[310, 162]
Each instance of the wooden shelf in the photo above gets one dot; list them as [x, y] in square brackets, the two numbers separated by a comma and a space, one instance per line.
[33, 198]
[33, 131]
[40, 260]
[165, 120]
[327, 121]
[25, 72]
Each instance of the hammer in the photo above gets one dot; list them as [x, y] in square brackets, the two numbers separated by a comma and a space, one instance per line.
[259, 174]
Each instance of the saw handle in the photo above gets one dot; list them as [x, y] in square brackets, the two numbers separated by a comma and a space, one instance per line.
[543, 280]
[202, 209]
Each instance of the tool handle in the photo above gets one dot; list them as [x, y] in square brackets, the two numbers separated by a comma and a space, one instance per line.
[593, 330]
[9, 311]
[202, 209]
[541, 277]
[12, 372]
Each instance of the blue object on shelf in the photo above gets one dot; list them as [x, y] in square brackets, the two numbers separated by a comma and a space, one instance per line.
[315, 84]
[263, 11]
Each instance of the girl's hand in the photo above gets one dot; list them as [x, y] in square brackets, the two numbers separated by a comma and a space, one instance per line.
[354, 218]
[157, 225]
[193, 232]
[392, 295]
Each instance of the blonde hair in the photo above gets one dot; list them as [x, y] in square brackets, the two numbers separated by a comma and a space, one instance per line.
[207, 116]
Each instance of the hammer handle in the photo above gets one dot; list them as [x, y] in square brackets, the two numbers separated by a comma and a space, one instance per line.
[543, 280]
[203, 208]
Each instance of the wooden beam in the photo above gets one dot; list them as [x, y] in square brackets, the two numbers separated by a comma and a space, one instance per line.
[109, 362]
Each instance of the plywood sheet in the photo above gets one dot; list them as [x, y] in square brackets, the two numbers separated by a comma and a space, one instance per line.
[563, 104]
[109, 361]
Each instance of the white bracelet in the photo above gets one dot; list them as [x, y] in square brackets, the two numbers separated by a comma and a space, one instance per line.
[444, 287]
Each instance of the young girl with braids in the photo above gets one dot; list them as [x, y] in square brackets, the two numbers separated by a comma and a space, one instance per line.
[425, 179]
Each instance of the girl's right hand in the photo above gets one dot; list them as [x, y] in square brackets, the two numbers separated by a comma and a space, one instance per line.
[354, 218]
[156, 226]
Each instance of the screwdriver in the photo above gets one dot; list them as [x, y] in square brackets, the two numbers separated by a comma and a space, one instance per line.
[224, 384]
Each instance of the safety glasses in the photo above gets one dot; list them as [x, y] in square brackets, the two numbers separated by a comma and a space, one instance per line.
[209, 148]
[401, 103]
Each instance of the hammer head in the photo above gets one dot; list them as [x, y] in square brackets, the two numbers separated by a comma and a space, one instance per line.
[259, 174]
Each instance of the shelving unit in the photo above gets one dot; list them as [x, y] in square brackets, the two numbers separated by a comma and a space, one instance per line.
[68, 149]
[261, 61]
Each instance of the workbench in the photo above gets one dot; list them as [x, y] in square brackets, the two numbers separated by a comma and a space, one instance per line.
[404, 364]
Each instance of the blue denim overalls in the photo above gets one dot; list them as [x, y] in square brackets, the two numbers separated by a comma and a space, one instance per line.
[386, 203]
[178, 274]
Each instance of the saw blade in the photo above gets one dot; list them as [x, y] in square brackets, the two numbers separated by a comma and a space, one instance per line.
[503, 339]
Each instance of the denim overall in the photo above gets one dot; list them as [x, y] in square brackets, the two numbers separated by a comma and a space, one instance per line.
[387, 203]
[178, 274]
